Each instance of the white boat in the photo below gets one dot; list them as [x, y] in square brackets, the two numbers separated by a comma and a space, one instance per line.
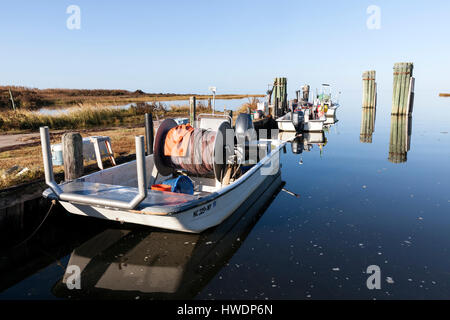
[177, 271]
[324, 99]
[291, 121]
[287, 136]
[119, 194]
[331, 112]
[285, 123]
[315, 125]
[330, 120]
[314, 137]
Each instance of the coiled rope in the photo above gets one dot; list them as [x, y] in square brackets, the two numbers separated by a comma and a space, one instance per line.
[199, 156]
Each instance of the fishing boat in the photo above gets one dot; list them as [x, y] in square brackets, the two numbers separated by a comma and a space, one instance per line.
[313, 123]
[331, 112]
[291, 121]
[173, 190]
[325, 102]
[161, 264]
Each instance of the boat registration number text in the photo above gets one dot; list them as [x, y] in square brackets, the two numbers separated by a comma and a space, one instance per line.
[204, 209]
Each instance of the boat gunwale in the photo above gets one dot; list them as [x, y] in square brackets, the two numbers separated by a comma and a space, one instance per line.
[183, 207]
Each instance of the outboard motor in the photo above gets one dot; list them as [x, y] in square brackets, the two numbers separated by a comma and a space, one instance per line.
[298, 119]
[297, 145]
[307, 115]
[244, 129]
[248, 149]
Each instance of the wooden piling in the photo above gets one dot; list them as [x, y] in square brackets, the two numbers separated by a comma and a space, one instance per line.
[279, 97]
[400, 138]
[402, 89]
[192, 110]
[364, 99]
[374, 90]
[149, 133]
[367, 125]
[305, 90]
[72, 143]
[229, 113]
[369, 89]
[12, 100]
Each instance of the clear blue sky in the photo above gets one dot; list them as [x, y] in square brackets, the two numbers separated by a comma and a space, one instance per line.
[239, 46]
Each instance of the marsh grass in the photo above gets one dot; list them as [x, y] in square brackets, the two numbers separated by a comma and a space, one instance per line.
[122, 141]
[252, 104]
[86, 119]
[82, 116]
[89, 116]
[32, 98]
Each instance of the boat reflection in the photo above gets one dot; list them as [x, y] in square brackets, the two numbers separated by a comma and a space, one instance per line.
[156, 264]
[367, 125]
[330, 121]
[400, 139]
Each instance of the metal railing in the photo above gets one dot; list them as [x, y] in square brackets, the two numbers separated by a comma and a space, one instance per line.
[88, 199]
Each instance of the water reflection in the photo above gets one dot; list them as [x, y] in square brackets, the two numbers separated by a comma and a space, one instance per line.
[400, 139]
[367, 125]
[33, 238]
[155, 264]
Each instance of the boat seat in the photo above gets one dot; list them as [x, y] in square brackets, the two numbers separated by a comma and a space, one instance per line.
[124, 193]
[211, 122]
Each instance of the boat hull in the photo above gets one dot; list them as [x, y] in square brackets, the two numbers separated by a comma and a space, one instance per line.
[313, 125]
[331, 112]
[211, 212]
[286, 125]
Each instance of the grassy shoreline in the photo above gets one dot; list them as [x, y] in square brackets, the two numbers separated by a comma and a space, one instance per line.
[30, 156]
[88, 116]
[32, 99]
[121, 125]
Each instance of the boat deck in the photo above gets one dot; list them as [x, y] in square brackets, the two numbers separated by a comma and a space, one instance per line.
[154, 199]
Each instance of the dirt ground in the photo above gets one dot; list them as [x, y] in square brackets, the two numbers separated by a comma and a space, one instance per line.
[24, 150]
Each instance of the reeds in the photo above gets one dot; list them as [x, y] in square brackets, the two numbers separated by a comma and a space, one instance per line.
[81, 116]
[32, 98]
[251, 105]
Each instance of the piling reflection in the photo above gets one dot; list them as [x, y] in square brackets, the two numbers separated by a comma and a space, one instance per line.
[367, 125]
[400, 139]
[155, 264]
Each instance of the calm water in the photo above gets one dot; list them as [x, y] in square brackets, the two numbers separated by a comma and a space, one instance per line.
[356, 209]
[230, 104]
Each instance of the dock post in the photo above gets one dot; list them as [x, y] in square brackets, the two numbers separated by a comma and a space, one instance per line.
[369, 89]
[12, 100]
[72, 155]
[402, 88]
[149, 132]
[229, 113]
[192, 110]
[305, 90]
